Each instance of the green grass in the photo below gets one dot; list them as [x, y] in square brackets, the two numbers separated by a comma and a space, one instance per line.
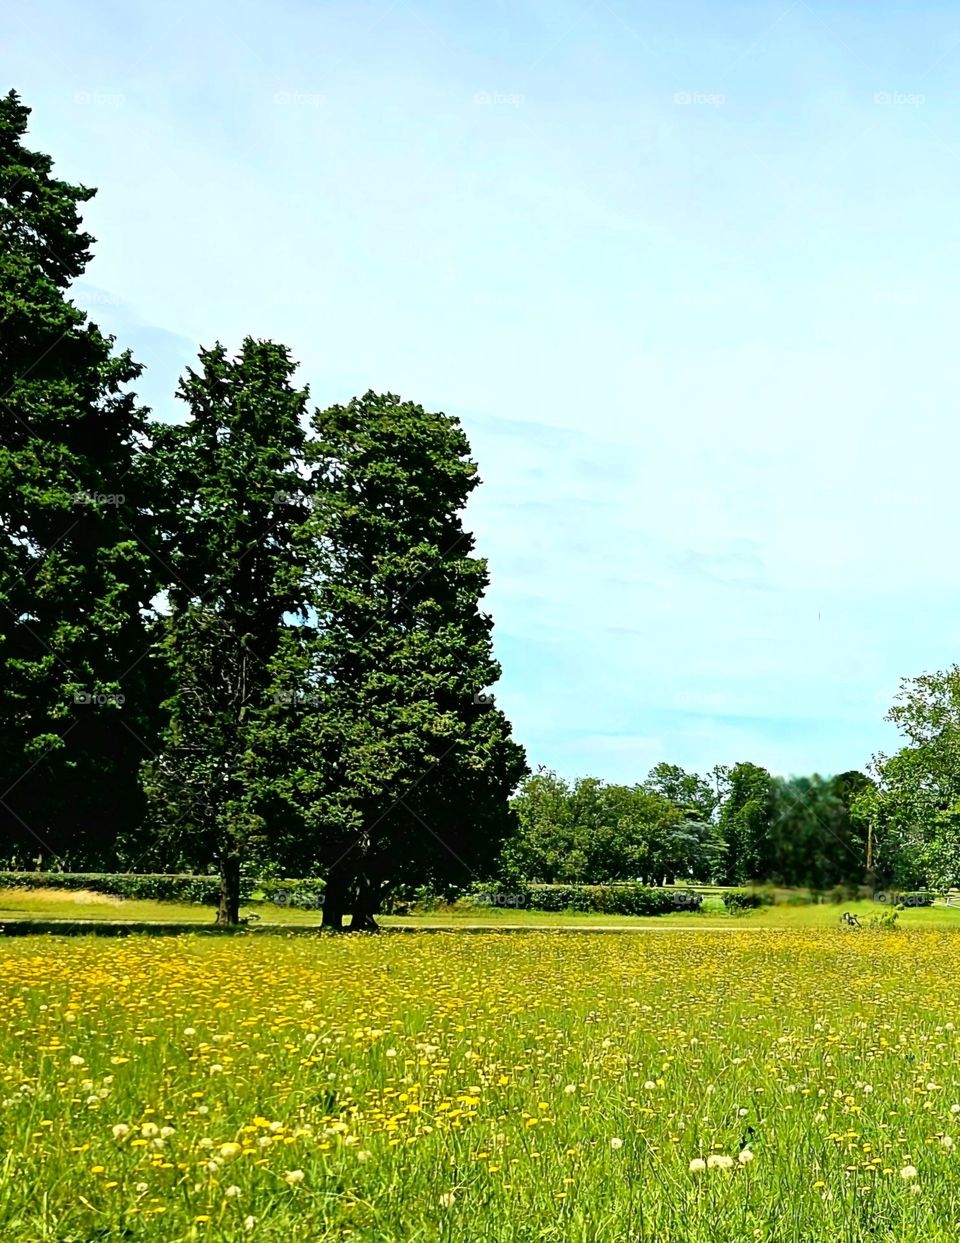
[482, 1089]
[20, 904]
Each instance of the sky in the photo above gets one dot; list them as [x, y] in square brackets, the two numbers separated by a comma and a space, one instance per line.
[685, 271]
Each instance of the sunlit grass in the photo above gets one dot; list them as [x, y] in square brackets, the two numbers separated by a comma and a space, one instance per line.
[51, 904]
[482, 1088]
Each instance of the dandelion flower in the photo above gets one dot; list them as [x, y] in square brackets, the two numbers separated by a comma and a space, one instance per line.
[249, 1223]
[149, 1130]
[232, 1192]
[293, 1177]
[616, 1143]
[745, 1157]
[908, 1172]
[697, 1165]
[719, 1161]
[946, 1141]
[229, 1150]
[121, 1131]
[448, 1200]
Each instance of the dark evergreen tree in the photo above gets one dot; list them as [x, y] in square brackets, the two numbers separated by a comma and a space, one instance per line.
[417, 763]
[76, 576]
[235, 498]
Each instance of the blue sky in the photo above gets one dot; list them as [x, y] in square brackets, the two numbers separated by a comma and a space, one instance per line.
[687, 273]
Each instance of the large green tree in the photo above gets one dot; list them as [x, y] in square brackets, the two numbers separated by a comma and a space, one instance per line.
[76, 574]
[235, 499]
[913, 811]
[410, 764]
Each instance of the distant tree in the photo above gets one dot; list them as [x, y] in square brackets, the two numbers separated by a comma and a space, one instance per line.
[76, 577]
[418, 761]
[746, 819]
[235, 502]
[541, 847]
[691, 793]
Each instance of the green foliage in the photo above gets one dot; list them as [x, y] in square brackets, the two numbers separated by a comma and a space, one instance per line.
[591, 831]
[914, 809]
[737, 900]
[78, 707]
[407, 765]
[613, 899]
[234, 503]
[885, 921]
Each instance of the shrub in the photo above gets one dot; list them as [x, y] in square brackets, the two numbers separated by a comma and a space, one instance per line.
[737, 900]
[613, 899]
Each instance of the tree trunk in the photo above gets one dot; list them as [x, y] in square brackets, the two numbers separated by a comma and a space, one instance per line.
[334, 900]
[365, 906]
[228, 912]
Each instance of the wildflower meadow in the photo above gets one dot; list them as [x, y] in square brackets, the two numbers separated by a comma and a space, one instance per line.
[732, 1085]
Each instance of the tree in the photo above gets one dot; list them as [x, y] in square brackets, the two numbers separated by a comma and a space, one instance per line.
[689, 792]
[76, 577]
[913, 810]
[746, 817]
[543, 843]
[418, 763]
[236, 499]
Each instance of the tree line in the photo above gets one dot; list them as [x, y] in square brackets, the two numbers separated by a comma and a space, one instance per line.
[734, 826]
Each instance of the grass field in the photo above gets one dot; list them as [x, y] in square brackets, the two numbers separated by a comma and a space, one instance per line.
[802, 1085]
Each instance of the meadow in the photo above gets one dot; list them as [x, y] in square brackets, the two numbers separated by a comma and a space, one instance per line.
[734, 1085]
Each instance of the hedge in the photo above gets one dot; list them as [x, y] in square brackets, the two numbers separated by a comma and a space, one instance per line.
[307, 894]
[169, 887]
[622, 899]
